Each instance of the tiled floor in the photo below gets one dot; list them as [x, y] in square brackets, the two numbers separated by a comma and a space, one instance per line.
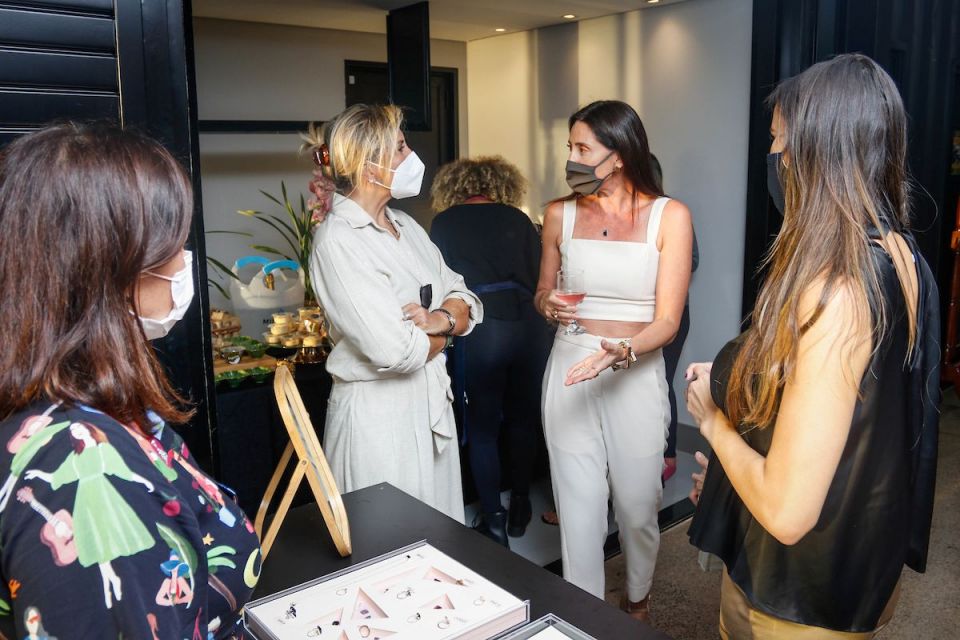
[541, 542]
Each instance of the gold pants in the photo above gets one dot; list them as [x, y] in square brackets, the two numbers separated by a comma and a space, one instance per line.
[739, 621]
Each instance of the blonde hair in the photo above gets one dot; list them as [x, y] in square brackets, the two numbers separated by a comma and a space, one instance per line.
[361, 134]
[489, 176]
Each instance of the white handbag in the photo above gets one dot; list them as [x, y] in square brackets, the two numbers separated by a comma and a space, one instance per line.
[276, 286]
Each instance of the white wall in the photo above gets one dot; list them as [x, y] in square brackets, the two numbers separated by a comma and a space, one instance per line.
[685, 67]
[248, 71]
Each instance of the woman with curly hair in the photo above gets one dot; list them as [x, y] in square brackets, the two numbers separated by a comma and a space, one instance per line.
[484, 236]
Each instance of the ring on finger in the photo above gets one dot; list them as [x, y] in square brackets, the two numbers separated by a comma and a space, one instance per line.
[555, 314]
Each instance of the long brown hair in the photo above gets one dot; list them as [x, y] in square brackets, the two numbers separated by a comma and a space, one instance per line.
[84, 210]
[618, 127]
[846, 174]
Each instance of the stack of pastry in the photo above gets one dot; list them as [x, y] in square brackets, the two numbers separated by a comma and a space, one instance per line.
[223, 326]
[306, 331]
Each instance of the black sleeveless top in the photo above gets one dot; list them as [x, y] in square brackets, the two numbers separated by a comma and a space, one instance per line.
[876, 516]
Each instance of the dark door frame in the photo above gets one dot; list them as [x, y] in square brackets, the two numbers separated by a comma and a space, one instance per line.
[452, 74]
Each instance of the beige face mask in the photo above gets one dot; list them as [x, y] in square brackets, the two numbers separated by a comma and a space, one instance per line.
[583, 179]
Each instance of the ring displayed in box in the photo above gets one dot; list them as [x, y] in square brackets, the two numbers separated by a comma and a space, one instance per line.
[415, 593]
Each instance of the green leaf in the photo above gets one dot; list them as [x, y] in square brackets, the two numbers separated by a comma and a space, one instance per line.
[271, 197]
[222, 268]
[282, 230]
[233, 233]
[219, 288]
[260, 247]
[250, 213]
[290, 235]
[176, 542]
[220, 550]
[4, 607]
[214, 563]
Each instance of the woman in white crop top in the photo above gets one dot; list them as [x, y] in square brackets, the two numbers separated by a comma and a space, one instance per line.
[605, 404]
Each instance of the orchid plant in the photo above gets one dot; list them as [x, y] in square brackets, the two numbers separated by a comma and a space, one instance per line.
[295, 224]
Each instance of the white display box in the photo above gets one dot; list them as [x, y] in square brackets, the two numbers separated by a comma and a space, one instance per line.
[549, 627]
[414, 593]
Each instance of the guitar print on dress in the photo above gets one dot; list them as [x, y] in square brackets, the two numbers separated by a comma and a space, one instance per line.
[57, 533]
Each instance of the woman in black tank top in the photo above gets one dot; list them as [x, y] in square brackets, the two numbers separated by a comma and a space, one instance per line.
[822, 416]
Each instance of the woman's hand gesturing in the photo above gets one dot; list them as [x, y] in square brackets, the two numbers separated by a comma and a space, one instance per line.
[591, 366]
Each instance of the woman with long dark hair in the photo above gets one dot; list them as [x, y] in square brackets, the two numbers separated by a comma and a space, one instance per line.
[98, 490]
[822, 416]
[605, 402]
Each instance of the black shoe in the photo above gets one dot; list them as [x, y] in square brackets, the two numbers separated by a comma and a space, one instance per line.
[493, 525]
[520, 513]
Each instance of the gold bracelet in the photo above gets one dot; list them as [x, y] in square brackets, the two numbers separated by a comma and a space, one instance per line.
[629, 360]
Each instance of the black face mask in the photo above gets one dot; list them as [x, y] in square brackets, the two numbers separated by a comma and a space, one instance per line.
[774, 185]
[583, 179]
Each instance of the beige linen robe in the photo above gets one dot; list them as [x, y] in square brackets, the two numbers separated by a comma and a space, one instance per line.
[389, 417]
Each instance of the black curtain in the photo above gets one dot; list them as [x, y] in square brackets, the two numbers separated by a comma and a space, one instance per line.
[918, 43]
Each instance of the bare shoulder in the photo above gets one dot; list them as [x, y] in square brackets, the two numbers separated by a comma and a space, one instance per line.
[553, 214]
[552, 221]
[832, 309]
[676, 225]
[675, 212]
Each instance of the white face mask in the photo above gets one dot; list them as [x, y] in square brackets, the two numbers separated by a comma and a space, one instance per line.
[407, 177]
[181, 290]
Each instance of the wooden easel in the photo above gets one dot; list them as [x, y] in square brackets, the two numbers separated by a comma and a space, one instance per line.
[310, 463]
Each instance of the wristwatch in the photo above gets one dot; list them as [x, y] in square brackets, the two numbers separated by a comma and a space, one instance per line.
[450, 318]
[448, 343]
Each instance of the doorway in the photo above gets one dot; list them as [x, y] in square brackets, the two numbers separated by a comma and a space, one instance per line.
[367, 82]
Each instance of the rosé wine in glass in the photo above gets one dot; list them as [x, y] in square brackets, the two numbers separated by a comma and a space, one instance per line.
[571, 289]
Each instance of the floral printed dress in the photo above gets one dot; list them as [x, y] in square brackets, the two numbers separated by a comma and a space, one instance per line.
[107, 533]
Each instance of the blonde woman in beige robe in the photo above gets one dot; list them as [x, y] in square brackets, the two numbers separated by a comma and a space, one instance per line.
[393, 306]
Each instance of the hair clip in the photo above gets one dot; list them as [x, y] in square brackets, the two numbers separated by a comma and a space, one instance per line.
[406, 593]
[321, 155]
[290, 613]
[415, 617]
[342, 591]
[314, 632]
[479, 601]
[443, 624]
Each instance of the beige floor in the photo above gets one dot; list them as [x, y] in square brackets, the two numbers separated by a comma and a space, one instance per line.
[685, 600]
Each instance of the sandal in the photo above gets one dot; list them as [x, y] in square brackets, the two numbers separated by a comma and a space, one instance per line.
[637, 610]
[551, 518]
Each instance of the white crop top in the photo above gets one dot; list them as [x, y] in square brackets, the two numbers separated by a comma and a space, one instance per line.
[620, 276]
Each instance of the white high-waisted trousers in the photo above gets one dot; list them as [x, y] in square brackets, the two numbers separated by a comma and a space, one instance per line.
[602, 434]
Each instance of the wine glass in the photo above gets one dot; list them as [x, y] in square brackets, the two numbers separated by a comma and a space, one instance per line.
[571, 289]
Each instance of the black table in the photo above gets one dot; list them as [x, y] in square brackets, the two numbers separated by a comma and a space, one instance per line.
[383, 518]
[250, 436]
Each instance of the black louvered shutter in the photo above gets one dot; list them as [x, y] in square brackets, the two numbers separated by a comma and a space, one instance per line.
[129, 61]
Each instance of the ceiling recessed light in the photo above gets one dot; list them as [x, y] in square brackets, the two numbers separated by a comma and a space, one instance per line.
[501, 30]
[652, 1]
[568, 16]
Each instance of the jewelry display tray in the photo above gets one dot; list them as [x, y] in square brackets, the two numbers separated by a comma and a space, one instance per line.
[549, 627]
[414, 593]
